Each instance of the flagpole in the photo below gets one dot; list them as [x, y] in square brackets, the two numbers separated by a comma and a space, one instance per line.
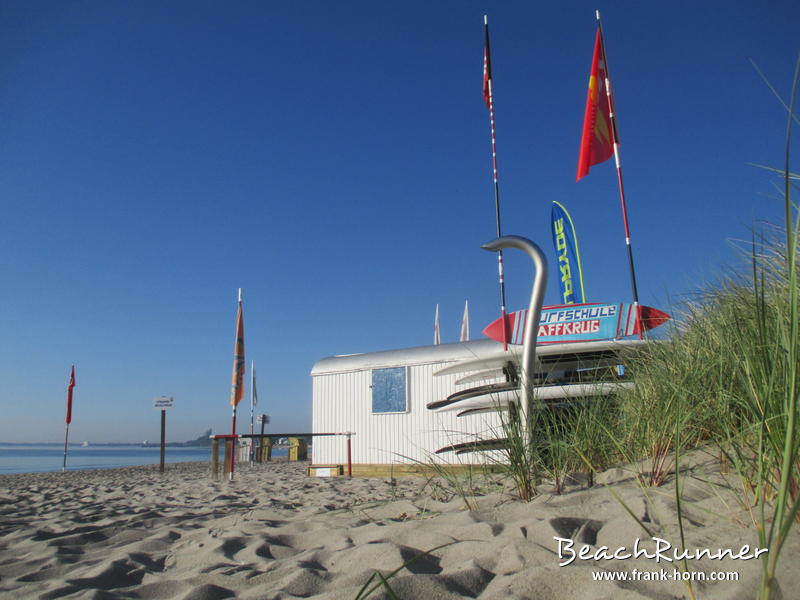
[252, 408]
[233, 445]
[615, 140]
[236, 392]
[490, 103]
[66, 437]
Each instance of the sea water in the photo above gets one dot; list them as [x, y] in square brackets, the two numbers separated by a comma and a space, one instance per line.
[25, 458]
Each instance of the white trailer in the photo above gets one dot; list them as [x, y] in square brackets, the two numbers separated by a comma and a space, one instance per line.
[381, 398]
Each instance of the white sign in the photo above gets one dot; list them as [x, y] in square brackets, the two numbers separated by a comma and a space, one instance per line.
[323, 472]
[163, 402]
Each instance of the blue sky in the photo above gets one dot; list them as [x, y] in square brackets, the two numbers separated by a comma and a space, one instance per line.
[332, 159]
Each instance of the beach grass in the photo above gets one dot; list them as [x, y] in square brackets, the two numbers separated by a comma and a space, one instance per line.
[726, 377]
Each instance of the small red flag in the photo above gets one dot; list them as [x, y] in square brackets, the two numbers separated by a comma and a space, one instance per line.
[69, 395]
[597, 143]
[487, 67]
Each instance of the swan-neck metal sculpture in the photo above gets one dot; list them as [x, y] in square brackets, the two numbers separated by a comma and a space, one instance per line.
[534, 313]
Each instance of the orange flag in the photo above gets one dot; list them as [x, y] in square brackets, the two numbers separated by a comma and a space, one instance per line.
[597, 142]
[69, 395]
[237, 383]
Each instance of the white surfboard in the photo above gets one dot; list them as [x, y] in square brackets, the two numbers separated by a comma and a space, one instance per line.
[486, 375]
[551, 357]
[494, 400]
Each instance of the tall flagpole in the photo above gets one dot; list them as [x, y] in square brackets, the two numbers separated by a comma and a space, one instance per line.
[69, 416]
[615, 140]
[487, 77]
[252, 407]
[238, 378]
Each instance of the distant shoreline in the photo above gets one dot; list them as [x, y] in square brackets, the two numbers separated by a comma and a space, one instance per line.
[105, 444]
[118, 444]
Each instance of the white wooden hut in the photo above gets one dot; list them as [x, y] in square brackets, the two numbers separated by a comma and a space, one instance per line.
[381, 397]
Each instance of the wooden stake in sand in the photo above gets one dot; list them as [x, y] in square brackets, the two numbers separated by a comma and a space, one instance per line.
[69, 415]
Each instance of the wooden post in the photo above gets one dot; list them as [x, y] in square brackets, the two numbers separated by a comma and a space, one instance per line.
[349, 456]
[214, 457]
[228, 457]
[163, 437]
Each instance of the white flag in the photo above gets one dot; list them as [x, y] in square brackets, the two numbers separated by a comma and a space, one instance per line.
[465, 323]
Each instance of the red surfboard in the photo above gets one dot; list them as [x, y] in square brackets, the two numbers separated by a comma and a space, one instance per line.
[579, 323]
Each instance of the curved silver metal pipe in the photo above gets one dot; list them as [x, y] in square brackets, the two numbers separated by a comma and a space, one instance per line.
[534, 311]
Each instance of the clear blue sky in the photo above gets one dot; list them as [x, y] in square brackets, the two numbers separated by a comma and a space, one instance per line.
[332, 159]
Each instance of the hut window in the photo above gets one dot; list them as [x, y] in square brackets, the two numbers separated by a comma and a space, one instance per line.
[389, 390]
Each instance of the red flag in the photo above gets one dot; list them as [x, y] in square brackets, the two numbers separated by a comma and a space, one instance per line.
[487, 67]
[237, 383]
[69, 395]
[597, 143]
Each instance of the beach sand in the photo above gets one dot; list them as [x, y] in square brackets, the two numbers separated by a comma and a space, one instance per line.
[274, 534]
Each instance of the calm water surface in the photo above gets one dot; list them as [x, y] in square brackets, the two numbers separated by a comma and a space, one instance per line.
[31, 459]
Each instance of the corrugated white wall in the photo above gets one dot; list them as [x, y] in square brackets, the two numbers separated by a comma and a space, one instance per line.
[343, 402]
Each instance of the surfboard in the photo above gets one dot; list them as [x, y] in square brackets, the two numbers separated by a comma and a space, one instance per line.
[499, 361]
[491, 396]
[484, 409]
[481, 376]
[551, 357]
[508, 405]
[482, 390]
[475, 446]
[579, 323]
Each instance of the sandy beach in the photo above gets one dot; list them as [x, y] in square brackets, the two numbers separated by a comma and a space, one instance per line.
[276, 534]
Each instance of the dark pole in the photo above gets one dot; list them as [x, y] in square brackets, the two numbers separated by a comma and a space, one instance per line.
[163, 437]
[233, 446]
[615, 140]
[349, 456]
[66, 439]
[489, 98]
[263, 419]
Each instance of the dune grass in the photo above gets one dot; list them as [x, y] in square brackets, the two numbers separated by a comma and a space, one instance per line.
[727, 377]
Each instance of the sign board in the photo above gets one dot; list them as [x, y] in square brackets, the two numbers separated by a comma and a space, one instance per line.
[325, 471]
[163, 402]
[263, 419]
